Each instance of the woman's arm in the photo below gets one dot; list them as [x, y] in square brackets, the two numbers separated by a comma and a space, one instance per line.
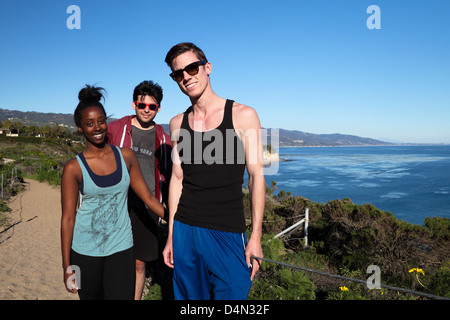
[70, 185]
[139, 185]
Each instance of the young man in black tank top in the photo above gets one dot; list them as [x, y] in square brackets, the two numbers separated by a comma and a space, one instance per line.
[210, 256]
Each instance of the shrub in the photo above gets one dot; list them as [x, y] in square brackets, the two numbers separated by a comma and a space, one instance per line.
[275, 282]
[4, 218]
[438, 227]
[154, 293]
[440, 281]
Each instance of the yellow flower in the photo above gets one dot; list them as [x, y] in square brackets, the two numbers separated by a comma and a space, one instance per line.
[417, 270]
[343, 289]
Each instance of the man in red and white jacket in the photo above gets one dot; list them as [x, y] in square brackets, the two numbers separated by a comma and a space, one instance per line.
[153, 148]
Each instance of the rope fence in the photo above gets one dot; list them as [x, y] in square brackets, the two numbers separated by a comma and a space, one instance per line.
[418, 293]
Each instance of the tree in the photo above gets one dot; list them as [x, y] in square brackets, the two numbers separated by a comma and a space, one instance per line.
[8, 124]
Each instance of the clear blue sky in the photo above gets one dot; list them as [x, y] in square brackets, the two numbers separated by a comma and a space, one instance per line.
[309, 65]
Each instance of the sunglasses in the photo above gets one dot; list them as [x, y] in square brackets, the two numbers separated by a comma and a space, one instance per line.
[141, 105]
[191, 69]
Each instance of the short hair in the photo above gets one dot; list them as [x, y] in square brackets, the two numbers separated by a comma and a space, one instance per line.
[148, 88]
[181, 48]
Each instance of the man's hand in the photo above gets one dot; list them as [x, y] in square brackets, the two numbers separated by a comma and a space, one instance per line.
[168, 253]
[253, 248]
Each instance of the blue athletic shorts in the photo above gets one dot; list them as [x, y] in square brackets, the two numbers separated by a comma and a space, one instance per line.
[209, 264]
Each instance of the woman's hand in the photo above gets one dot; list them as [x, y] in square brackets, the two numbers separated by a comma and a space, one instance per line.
[70, 280]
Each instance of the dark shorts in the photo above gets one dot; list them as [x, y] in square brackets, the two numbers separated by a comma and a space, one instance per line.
[145, 233]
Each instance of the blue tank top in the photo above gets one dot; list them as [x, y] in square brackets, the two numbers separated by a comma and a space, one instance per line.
[102, 224]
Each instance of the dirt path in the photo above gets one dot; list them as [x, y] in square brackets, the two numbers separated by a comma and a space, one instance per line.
[30, 252]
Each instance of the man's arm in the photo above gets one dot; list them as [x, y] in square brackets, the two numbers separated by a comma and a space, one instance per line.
[175, 187]
[249, 129]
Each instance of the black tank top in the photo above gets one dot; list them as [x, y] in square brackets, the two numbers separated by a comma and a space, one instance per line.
[213, 164]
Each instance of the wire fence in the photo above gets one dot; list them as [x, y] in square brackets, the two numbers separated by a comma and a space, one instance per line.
[418, 293]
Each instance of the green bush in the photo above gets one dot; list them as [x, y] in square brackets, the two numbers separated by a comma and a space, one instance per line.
[4, 218]
[286, 285]
[438, 227]
[275, 282]
[154, 293]
[4, 207]
[440, 282]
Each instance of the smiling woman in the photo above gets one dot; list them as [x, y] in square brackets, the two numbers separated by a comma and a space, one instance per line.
[89, 96]
[93, 125]
[98, 244]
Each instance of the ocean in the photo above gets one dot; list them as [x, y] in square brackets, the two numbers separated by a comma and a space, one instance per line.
[412, 182]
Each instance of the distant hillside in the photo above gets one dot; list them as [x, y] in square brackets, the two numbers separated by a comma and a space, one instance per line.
[291, 138]
[288, 138]
[32, 118]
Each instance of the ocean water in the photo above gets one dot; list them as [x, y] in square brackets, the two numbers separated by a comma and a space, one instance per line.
[412, 182]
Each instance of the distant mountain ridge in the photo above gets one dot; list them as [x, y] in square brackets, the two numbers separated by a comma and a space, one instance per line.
[290, 138]
[287, 138]
[33, 118]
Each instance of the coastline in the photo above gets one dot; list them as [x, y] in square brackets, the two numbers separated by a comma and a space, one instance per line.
[367, 145]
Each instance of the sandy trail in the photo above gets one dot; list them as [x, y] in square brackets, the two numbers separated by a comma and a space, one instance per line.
[30, 252]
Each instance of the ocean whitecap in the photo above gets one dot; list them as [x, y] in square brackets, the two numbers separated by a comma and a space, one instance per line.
[368, 185]
[394, 195]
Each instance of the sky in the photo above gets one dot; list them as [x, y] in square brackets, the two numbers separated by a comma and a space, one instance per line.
[313, 66]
